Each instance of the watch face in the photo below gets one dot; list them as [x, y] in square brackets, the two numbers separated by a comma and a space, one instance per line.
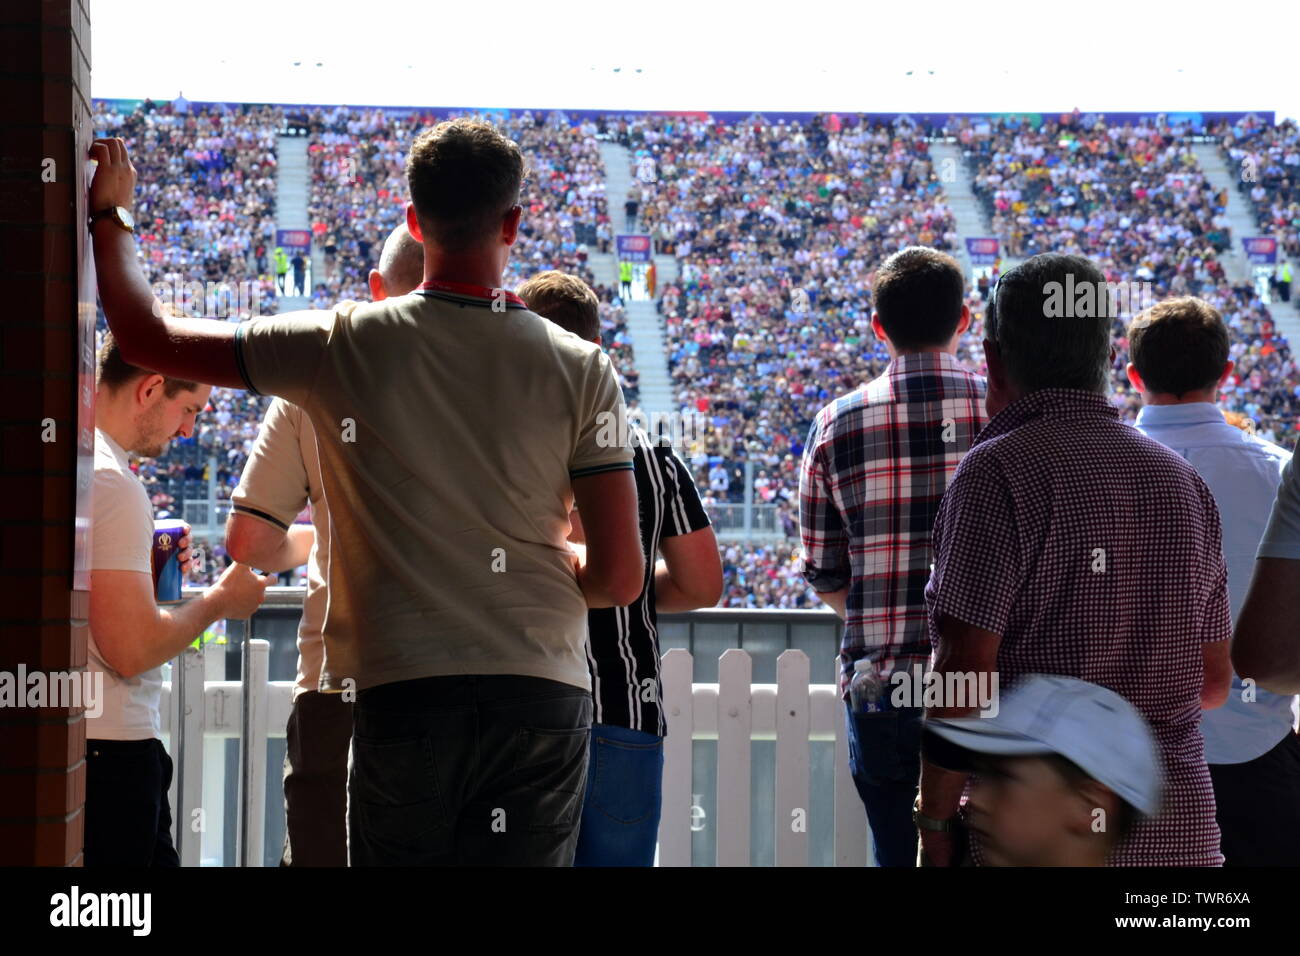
[125, 216]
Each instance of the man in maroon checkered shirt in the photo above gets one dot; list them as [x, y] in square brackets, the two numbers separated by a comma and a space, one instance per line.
[874, 469]
[1070, 543]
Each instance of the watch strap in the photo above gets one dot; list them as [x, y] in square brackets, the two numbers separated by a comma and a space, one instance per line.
[930, 823]
[110, 213]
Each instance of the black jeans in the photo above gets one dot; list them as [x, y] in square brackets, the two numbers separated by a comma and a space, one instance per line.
[318, 734]
[1257, 804]
[468, 771]
[128, 816]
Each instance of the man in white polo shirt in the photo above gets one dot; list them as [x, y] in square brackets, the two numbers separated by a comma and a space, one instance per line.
[281, 478]
[128, 773]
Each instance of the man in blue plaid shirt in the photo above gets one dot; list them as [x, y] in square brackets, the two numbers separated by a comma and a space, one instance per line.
[875, 466]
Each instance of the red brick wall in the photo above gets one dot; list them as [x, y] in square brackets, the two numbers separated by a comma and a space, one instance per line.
[45, 113]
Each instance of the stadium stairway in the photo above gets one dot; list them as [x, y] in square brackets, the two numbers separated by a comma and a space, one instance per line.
[292, 186]
[1242, 222]
[643, 323]
[951, 168]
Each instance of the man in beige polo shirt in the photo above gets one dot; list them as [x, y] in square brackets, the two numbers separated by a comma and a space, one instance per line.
[456, 430]
[281, 478]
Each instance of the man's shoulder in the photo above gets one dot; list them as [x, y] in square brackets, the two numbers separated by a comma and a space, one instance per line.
[1134, 446]
[281, 410]
[530, 323]
[854, 405]
[115, 483]
[108, 467]
[1270, 451]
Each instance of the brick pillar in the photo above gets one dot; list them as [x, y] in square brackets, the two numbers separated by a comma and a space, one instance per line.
[46, 417]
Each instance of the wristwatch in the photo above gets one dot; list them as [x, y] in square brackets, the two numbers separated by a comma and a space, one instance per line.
[929, 823]
[118, 214]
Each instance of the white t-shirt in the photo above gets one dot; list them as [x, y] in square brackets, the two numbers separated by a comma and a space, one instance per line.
[121, 540]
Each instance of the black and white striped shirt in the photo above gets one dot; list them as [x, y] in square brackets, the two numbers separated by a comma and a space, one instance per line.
[623, 642]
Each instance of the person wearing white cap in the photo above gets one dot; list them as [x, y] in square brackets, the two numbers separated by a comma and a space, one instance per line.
[1062, 772]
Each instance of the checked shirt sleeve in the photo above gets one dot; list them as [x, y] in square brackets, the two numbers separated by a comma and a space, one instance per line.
[821, 526]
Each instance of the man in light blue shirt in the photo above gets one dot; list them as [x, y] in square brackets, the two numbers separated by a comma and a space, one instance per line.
[1179, 353]
[1266, 642]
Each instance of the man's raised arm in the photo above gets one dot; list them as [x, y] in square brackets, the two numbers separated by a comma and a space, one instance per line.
[194, 350]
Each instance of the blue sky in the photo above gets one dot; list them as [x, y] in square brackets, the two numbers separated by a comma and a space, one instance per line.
[671, 54]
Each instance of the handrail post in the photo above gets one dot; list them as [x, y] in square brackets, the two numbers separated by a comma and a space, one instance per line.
[187, 734]
[254, 670]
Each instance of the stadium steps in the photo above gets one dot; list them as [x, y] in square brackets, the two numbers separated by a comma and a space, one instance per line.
[1241, 218]
[665, 270]
[1242, 222]
[950, 166]
[655, 392]
[649, 351]
[292, 190]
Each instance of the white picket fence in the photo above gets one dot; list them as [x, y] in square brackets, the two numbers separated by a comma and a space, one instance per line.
[734, 712]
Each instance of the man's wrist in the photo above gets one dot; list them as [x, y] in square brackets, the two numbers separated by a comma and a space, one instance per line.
[931, 821]
[119, 214]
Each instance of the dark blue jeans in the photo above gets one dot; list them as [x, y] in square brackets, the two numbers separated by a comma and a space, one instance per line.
[885, 760]
[625, 786]
[467, 771]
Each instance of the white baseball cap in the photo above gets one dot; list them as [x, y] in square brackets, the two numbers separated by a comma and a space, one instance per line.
[1093, 727]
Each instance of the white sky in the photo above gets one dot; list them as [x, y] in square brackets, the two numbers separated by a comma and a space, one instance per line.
[703, 54]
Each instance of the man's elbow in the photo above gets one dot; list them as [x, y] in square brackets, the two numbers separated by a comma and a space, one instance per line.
[137, 338]
[122, 659]
[1266, 671]
[709, 592]
[627, 581]
[244, 547]
[1246, 661]
[1215, 694]
[699, 586]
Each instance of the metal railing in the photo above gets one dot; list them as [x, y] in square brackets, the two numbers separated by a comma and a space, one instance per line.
[206, 516]
[738, 520]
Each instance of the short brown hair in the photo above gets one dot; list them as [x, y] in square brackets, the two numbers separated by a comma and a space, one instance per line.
[1179, 346]
[564, 299]
[918, 294]
[464, 176]
[114, 372]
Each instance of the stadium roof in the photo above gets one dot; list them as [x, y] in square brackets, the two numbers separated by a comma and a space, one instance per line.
[678, 55]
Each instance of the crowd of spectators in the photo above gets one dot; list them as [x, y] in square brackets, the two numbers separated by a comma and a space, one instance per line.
[1134, 200]
[206, 214]
[1266, 161]
[777, 228]
[358, 195]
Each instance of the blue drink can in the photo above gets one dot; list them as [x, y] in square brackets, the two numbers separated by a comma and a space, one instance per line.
[167, 534]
